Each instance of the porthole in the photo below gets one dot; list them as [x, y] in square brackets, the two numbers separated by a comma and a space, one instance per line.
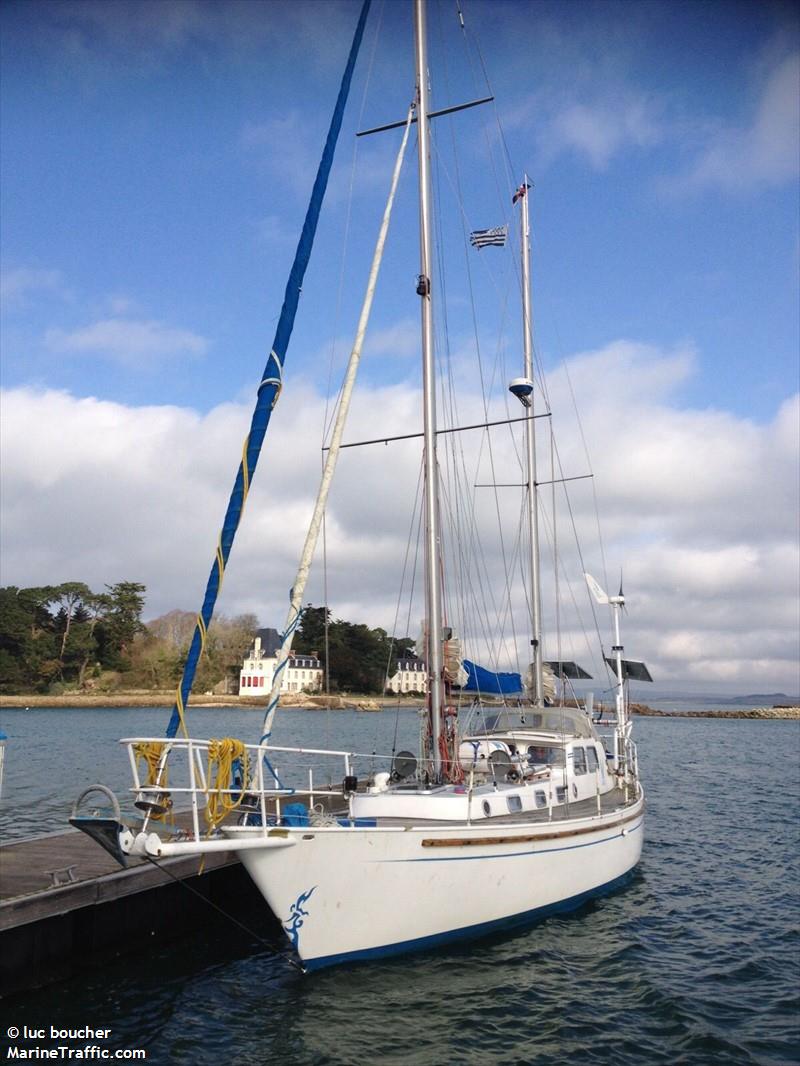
[487, 808]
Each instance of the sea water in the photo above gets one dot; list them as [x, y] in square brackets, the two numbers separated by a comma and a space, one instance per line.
[695, 961]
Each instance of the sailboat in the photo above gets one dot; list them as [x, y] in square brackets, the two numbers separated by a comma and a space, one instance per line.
[515, 807]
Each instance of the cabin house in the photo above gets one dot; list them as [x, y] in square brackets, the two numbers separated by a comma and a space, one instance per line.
[302, 673]
[411, 675]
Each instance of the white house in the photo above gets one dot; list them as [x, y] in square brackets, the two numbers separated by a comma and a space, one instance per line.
[302, 673]
[411, 675]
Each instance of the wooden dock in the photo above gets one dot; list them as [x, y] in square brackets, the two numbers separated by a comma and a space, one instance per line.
[66, 904]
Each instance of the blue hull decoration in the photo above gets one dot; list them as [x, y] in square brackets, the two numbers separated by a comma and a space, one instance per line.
[268, 390]
[296, 916]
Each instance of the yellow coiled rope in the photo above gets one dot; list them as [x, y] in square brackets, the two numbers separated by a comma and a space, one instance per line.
[151, 753]
[222, 755]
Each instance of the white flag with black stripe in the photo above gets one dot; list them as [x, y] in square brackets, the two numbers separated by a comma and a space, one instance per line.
[484, 238]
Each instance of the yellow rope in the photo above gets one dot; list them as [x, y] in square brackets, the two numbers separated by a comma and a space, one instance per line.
[150, 753]
[220, 564]
[179, 706]
[222, 754]
[245, 470]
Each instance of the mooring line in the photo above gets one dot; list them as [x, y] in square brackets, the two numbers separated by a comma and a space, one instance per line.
[250, 932]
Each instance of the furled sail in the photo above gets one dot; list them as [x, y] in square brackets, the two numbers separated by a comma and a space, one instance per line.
[268, 390]
[548, 682]
[454, 671]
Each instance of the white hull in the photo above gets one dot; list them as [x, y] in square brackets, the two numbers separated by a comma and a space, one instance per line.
[356, 893]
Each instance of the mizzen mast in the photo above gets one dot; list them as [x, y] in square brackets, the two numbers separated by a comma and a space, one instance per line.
[522, 388]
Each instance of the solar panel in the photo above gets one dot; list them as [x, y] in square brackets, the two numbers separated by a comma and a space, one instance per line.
[562, 668]
[631, 670]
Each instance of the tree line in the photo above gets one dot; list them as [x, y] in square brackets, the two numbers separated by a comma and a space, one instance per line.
[64, 637]
[359, 658]
[59, 637]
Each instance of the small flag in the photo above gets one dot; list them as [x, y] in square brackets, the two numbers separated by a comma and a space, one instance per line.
[483, 238]
[520, 192]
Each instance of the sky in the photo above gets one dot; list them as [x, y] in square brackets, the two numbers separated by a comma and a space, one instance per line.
[157, 159]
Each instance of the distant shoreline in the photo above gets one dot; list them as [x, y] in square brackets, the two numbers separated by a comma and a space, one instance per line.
[346, 702]
[76, 700]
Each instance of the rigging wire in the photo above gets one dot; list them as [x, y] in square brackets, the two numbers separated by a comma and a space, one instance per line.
[416, 519]
[330, 408]
[461, 510]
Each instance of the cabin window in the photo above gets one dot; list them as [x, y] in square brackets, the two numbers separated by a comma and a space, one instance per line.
[591, 755]
[541, 799]
[514, 804]
[561, 793]
[579, 761]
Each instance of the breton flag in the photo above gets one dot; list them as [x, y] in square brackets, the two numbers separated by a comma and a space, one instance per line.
[483, 238]
[520, 192]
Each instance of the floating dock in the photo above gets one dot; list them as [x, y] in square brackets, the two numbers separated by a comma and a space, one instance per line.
[66, 904]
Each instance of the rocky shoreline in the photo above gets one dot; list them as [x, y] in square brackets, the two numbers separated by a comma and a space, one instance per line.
[644, 711]
[346, 702]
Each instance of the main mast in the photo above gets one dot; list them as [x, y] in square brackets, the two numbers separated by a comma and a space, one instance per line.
[530, 451]
[433, 603]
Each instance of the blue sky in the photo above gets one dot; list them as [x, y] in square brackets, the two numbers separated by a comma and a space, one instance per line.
[156, 163]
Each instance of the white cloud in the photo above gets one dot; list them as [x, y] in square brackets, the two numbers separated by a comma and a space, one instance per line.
[763, 151]
[699, 507]
[601, 129]
[19, 285]
[398, 340]
[142, 34]
[596, 114]
[127, 340]
[272, 230]
[287, 146]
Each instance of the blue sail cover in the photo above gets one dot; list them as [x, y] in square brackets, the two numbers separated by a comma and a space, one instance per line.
[490, 682]
[268, 390]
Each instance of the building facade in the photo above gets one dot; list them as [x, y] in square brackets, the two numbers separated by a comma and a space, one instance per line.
[302, 673]
[411, 675]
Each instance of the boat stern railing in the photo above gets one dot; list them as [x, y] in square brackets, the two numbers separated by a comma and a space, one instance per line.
[218, 781]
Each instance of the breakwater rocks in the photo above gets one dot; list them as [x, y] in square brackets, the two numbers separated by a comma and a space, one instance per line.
[751, 712]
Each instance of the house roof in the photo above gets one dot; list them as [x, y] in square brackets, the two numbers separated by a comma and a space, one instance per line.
[270, 641]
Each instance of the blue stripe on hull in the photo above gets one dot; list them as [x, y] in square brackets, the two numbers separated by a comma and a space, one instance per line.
[515, 921]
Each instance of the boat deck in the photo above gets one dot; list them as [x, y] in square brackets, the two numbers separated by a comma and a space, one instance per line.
[611, 801]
